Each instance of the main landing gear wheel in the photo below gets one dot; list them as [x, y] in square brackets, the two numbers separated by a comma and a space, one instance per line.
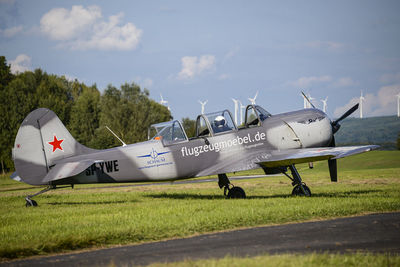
[298, 191]
[236, 192]
[230, 191]
[300, 188]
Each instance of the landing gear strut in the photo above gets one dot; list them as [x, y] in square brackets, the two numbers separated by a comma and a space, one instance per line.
[300, 188]
[32, 203]
[230, 191]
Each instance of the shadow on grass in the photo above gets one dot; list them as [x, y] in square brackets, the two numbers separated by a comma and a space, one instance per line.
[352, 193]
[347, 194]
[19, 189]
[91, 202]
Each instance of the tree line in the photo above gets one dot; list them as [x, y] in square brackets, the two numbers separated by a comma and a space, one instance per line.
[127, 110]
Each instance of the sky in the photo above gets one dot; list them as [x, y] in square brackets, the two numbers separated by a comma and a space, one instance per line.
[216, 50]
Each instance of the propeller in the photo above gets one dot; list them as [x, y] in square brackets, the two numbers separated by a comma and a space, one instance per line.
[335, 124]
[332, 163]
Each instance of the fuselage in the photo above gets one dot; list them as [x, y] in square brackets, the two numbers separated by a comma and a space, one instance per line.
[154, 161]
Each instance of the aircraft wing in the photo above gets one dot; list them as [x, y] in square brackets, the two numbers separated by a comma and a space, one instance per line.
[64, 170]
[276, 158]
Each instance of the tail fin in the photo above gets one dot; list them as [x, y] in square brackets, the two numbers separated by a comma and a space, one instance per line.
[42, 139]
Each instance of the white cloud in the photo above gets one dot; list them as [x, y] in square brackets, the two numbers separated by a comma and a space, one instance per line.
[304, 82]
[231, 53]
[345, 82]
[10, 32]
[309, 81]
[85, 28]
[382, 103]
[20, 64]
[193, 66]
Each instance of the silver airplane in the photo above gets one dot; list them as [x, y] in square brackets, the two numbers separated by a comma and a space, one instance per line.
[45, 153]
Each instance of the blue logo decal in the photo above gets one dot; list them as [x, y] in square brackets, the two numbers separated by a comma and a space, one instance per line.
[155, 159]
[153, 154]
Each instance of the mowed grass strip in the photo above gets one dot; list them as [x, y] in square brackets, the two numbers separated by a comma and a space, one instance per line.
[288, 260]
[90, 217]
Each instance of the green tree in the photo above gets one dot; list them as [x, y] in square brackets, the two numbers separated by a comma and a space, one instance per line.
[5, 78]
[85, 112]
[24, 93]
[54, 93]
[5, 73]
[189, 126]
[398, 142]
[17, 100]
[128, 112]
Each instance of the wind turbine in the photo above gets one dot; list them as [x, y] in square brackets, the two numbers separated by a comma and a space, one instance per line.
[324, 101]
[236, 108]
[202, 105]
[398, 105]
[241, 112]
[307, 100]
[253, 100]
[162, 102]
[309, 104]
[361, 105]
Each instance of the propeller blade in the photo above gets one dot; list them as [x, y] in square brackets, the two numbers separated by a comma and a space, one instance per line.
[332, 163]
[333, 169]
[308, 100]
[335, 124]
[348, 113]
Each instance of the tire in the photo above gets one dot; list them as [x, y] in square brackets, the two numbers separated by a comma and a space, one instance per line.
[236, 192]
[32, 203]
[298, 192]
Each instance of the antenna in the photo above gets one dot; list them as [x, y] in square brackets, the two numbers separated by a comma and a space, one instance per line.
[123, 143]
[305, 97]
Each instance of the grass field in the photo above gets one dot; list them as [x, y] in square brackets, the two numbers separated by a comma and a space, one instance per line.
[286, 260]
[92, 216]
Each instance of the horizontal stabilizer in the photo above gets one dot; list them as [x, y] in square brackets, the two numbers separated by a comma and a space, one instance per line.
[68, 169]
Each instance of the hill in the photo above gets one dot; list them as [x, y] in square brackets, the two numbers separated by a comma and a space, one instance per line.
[381, 131]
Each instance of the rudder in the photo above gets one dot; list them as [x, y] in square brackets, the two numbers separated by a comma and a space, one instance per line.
[41, 141]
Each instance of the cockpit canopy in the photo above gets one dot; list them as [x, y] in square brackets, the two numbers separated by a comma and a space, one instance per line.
[170, 132]
[209, 124]
[255, 115]
[214, 123]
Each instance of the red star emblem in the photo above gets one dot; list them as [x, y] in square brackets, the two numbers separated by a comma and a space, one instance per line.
[56, 143]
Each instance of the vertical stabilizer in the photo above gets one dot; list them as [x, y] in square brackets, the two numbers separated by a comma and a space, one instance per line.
[41, 141]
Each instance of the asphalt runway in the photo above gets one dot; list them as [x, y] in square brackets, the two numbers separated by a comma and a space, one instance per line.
[376, 233]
